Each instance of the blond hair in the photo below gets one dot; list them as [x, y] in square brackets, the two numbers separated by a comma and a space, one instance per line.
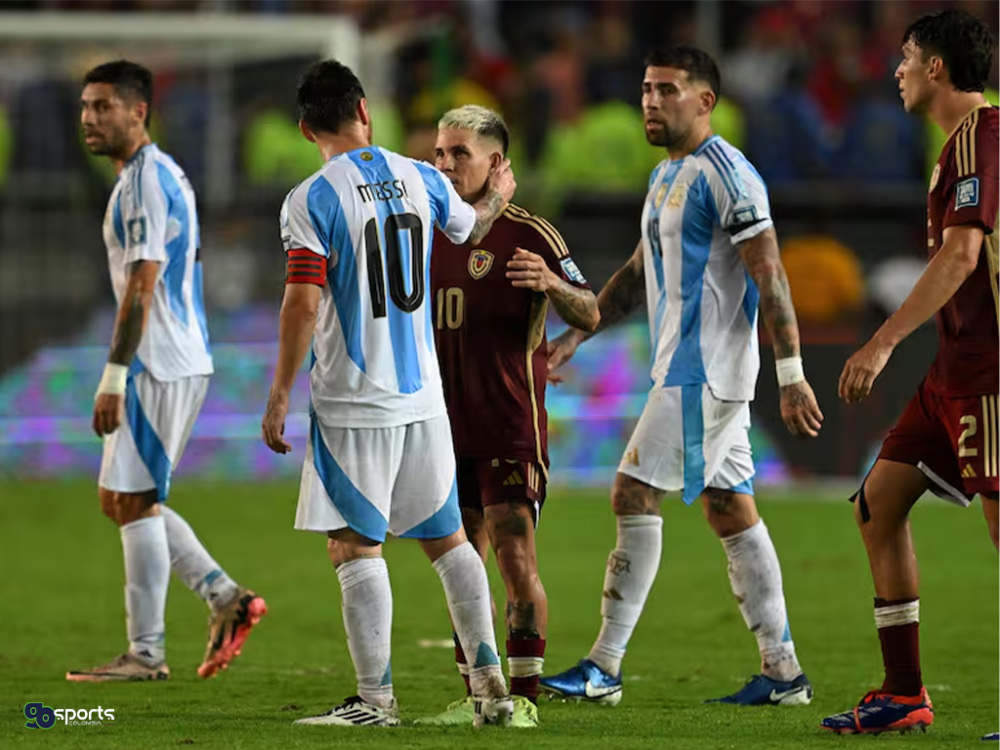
[482, 121]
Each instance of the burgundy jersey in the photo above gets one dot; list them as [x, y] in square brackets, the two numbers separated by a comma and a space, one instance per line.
[964, 190]
[491, 338]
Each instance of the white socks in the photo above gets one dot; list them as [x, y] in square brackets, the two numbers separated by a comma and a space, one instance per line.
[193, 565]
[468, 592]
[367, 606]
[147, 574]
[632, 568]
[755, 575]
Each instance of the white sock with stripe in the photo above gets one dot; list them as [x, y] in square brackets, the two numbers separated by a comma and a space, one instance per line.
[755, 577]
[468, 592]
[147, 575]
[367, 607]
[191, 562]
[631, 570]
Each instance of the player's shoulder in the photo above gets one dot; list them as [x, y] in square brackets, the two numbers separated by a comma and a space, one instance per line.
[725, 165]
[536, 227]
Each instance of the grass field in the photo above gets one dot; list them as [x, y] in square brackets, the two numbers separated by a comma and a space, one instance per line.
[61, 607]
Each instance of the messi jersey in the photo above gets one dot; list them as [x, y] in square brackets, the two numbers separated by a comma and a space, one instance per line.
[491, 339]
[152, 216]
[964, 190]
[371, 213]
[702, 303]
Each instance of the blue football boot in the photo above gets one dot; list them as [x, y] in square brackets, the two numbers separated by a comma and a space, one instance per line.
[764, 691]
[584, 682]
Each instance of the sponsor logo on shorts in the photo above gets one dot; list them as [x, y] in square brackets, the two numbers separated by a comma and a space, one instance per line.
[40, 716]
[968, 472]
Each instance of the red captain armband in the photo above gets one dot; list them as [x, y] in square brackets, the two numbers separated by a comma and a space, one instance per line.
[305, 267]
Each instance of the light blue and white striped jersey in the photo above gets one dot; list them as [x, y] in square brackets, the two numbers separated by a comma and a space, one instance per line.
[152, 215]
[372, 214]
[702, 302]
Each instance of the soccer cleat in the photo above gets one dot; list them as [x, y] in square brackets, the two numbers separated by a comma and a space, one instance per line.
[584, 682]
[492, 712]
[459, 713]
[761, 690]
[994, 737]
[124, 668]
[881, 712]
[228, 629]
[525, 713]
[356, 712]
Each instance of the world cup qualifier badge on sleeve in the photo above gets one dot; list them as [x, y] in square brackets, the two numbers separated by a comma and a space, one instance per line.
[40, 716]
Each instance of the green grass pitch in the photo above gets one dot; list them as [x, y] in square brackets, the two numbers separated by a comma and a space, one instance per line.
[61, 607]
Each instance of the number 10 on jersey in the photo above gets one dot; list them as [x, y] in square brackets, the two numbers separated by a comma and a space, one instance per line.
[394, 224]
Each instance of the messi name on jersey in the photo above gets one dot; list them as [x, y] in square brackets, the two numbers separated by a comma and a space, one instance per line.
[386, 190]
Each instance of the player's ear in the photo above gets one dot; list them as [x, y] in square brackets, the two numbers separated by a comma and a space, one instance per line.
[496, 159]
[306, 132]
[935, 68]
[140, 110]
[363, 115]
[708, 100]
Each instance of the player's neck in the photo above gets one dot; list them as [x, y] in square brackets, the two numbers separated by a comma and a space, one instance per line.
[696, 137]
[348, 139]
[137, 145]
[948, 111]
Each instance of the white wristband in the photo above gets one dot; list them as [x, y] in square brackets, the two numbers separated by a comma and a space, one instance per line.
[789, 371]
[113, 379]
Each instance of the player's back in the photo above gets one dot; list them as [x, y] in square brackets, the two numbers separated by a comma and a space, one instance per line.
[964, 190]
[702, 303]
[371, 213]
[152, 215]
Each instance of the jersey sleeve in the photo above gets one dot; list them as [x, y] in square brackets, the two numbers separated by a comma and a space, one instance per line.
[739, 194]
[450, 214]
[971, 190]
[544, 240]
[306, 252]
[145, 215]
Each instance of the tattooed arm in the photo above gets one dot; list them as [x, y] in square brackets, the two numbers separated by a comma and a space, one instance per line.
[500, 187]
[760, 255]
[575, 305]
[623, 293]
[129, 326]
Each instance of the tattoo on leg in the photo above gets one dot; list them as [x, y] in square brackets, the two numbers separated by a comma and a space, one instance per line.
[521, 621]
[633, 500]
[720, 502]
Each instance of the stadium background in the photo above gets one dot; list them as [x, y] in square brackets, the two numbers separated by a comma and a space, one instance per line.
[809, 96]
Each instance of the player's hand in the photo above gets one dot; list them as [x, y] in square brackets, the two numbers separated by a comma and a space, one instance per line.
[529, 271]
[799, 409]
[861, 369]
[502, 180]
[561, 350]
[108, 409]
[273, 425]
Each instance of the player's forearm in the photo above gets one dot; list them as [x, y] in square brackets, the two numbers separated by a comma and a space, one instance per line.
[487, 208]
[620, 297]
[776, 309]
[939, 282]
[295, 330]
[577, 307]
[133, 313]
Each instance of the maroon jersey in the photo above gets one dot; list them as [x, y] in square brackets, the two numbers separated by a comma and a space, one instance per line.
[964, 190]
[491, 338]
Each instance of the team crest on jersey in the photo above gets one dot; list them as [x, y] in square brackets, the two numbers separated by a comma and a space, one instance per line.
[935, 176]
[480, 263]
[677, 196]
[660, 195]
[366, 156]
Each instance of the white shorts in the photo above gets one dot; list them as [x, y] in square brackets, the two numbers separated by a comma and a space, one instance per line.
[399, 480]
[687, 439]
[141, 454]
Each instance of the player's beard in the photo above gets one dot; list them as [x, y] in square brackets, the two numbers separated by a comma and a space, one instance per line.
[668, 138]
[113, 144]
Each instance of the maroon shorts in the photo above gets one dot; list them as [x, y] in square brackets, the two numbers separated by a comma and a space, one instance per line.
[490, 481]
[952, 440]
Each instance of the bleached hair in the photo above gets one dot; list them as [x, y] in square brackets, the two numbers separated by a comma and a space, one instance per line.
[482, 121]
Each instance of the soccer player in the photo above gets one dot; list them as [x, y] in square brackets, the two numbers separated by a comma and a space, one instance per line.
[946, 439]
[154, 382]
[490, 302]
[358, 235]
[707, 259]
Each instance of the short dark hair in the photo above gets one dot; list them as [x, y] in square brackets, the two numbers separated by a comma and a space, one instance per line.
[328, 96]
[697, 63]
[961, 40]
[130, 81]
